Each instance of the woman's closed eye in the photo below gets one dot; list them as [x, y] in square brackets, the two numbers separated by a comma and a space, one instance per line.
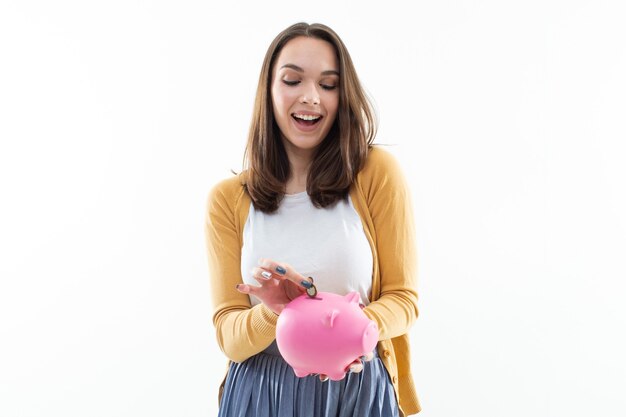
[324, 86]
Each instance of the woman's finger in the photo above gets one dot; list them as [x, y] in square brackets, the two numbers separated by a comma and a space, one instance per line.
[261, 275]
[243, 288]
[285, 271]
[247, 289]
[292, 290]
[323, 377]
[367, 357]
[356, 366]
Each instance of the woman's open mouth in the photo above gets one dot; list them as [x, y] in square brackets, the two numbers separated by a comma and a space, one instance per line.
[306, 120]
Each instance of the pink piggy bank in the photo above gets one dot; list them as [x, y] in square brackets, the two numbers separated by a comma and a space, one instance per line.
[324, 334]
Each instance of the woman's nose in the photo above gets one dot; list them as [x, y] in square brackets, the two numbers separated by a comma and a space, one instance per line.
[310, 95]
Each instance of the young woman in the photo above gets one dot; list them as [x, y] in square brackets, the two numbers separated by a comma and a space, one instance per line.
[316, 199]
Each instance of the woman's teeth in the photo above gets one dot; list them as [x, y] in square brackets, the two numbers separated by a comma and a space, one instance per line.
[306, 117]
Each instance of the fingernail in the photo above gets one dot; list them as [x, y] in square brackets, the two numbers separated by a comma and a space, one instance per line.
[281, 270]
[356, 368]
[306, 284]
[266, 275]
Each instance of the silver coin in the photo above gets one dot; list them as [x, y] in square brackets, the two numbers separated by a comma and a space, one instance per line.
[311, 292]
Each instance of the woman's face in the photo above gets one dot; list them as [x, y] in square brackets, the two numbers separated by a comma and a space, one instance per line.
[305, 93]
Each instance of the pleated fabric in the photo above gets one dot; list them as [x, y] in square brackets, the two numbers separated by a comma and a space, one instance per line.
[266, 386]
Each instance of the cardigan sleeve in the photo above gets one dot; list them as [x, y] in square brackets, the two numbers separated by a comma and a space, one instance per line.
[242, 330]
[389, 202]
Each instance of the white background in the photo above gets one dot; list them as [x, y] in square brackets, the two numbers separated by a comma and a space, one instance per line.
[117, 117]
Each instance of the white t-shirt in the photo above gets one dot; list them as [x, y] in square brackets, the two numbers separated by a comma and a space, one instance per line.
[327, 244]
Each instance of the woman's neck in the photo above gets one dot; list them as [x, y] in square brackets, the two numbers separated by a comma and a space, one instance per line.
[299, 164]
[299, 173]
[295, 187]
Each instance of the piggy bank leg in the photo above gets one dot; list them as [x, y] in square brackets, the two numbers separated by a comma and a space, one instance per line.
[337, 376]
[300, 374]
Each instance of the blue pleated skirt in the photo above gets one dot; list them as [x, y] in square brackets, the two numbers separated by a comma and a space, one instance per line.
[266, 386]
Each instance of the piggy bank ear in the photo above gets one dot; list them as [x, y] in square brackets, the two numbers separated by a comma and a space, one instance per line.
[329, 319]
[353, 297]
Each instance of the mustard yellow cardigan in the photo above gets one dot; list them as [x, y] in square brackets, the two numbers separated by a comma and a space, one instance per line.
[381, 198]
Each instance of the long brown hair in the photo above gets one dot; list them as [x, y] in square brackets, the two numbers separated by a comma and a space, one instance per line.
[339, 157]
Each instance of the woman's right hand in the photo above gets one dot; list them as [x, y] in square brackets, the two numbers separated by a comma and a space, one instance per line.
[355, 367]
[279, 283]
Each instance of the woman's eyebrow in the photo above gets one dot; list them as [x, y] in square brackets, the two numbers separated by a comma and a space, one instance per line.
[297, 68]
